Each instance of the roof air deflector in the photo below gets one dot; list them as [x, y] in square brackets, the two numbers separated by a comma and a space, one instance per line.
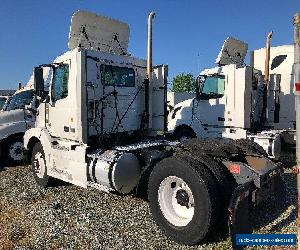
[233, 52]
[94, 32]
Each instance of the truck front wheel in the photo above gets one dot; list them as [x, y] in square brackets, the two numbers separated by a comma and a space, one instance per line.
[39, 167]
[182, 200]
[14, 150]
[183, 134]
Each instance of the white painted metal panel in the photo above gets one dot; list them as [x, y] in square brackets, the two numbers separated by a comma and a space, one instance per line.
[158, 83]
[287, 113]
[130, 100]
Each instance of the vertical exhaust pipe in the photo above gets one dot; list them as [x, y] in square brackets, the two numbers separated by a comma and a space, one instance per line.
[267, 60]
[263, 117]
[149, 49]
[148, 89]
[252, 58]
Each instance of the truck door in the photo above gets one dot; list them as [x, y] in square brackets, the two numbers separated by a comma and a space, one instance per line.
[209, 111]
[58, 118]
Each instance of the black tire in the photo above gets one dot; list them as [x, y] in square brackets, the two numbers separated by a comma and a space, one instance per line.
[205, 194]
[224, 179]
[44, 180]
[183, 134]
[279, 190]
[13, 151]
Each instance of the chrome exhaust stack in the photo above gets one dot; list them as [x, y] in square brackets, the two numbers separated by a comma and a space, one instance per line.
[264, 115]
[149, 48]
[148, 89]
[267, 60]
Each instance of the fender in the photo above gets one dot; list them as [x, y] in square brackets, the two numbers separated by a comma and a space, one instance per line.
[13, 122]
[183, 115]
[35, 135]
[11, 129]
[65, 159]
[39, 133]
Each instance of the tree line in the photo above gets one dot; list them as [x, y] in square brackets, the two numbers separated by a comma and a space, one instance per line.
[184, 83]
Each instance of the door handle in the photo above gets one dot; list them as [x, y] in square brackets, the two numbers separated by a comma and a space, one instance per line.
[221, 119]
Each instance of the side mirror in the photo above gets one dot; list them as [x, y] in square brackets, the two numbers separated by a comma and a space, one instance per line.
[28, 107]
[199, 82]
[39, 81]
[198, 94]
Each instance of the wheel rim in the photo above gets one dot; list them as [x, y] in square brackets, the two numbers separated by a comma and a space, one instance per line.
[39, 165]
[176, 201]
[16, 151]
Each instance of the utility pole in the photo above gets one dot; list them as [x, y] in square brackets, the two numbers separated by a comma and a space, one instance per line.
[296, 22]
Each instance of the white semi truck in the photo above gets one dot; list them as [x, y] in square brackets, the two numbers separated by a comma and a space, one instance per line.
[234, 100]
[103, 125]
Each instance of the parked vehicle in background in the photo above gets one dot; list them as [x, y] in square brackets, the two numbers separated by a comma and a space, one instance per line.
[15, 118]
[282, 70]
[18, 115]
[236, 101]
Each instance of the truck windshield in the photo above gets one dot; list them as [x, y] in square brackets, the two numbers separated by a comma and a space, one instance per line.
[213, 87]
[2, 102]
[19, 100]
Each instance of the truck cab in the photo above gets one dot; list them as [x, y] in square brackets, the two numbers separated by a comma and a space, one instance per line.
[221, 106]
[97, 99]
[229, 103]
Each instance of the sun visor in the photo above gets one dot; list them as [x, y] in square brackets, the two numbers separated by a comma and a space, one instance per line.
[93, 32]
[233, 52]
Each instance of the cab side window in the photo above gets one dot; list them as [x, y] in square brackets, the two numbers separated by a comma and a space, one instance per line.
[117, 76]
[60, 82]
[214, 86]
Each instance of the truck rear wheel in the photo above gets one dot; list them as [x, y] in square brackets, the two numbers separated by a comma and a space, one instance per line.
[182, 200]
[39, 167]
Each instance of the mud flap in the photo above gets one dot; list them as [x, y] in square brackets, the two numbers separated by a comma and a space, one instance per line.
[279, 189]
[239, 222]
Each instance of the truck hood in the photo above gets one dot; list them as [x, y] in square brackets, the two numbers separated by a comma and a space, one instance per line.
[185, 103]
[184, 106]
[11, 116]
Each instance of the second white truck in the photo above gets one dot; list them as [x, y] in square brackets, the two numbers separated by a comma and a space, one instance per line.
[234, 100]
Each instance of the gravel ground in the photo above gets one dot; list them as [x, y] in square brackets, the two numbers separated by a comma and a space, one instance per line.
[69, 217]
